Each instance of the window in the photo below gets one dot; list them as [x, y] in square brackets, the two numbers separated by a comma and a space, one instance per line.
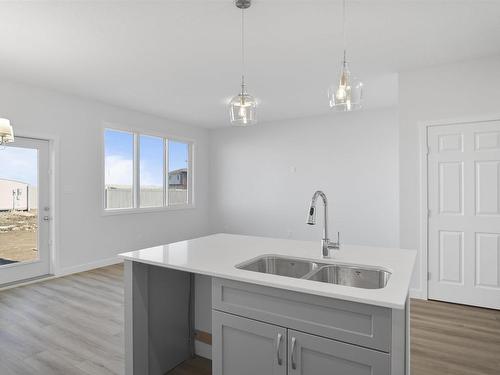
[151, 170]
[178, 155]
[144, 171]
[118, 169]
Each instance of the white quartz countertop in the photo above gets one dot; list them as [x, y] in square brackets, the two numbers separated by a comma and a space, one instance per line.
[218, 254]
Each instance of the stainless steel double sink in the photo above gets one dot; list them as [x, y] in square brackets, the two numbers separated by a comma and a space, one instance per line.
[341, 274]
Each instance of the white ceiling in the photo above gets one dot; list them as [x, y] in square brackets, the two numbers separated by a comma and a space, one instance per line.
[181, 59]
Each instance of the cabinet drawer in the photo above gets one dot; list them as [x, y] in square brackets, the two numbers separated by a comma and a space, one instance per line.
[356, 323]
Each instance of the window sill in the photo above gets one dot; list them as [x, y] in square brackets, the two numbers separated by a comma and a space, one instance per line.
[144, 210]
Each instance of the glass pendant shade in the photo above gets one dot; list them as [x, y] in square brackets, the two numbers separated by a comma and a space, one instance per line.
[6, 132]
[243, 107]
[243, 110]
[348, 94]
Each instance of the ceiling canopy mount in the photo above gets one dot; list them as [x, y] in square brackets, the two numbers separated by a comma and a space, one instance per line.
[243, 4]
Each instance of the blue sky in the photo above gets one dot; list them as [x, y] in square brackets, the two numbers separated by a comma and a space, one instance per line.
[119, 158]
[20, 164]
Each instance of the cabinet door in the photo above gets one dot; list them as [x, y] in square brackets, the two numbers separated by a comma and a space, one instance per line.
[314, 355]
[247, 347]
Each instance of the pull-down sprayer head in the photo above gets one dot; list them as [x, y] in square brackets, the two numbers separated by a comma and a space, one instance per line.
[311, 218]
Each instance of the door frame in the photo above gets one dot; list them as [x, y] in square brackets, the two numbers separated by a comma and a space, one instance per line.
[423, 291]
[54, 182]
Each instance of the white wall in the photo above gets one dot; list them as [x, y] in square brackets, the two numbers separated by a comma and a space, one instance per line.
[262, 178]
[452, 91]
[86, 237]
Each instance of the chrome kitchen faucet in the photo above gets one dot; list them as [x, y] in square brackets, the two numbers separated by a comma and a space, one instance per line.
[326, 244]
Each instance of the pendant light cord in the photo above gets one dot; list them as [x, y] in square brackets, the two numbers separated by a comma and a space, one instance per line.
[344, 42]
[242, 51]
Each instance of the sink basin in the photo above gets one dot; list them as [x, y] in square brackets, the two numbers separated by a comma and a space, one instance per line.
[340, 274]
[280, 266]
[351, 276]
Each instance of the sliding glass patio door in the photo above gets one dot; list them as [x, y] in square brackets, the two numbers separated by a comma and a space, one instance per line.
[24, 210]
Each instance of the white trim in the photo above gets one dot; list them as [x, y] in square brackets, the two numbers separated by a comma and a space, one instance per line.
[417, 294]
[165, 172]
[102, 166]
[145, 210]
[422, 291]
[54, 183]
[136, 133]
[67, 271]
[28, 282]
[462, 120]
[136, 173]
[54, 146]
[423, 214]
[89, 266]
[202, 349]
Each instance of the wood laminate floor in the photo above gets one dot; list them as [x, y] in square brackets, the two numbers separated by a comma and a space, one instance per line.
[195, 366]
[74, 326]
[454, 339]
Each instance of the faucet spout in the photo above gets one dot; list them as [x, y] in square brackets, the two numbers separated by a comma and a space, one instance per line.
[311, 220]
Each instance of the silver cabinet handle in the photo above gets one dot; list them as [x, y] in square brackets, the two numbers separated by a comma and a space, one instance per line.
[278, 344]
[294, 364]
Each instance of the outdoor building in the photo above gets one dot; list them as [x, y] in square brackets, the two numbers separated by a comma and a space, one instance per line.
[17, 195]
[178, 179]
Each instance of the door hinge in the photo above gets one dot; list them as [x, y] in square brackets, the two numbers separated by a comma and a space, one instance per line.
[428, 276]
[428, 149]
[429, 212]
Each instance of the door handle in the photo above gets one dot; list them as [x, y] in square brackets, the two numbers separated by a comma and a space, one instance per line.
[294, 364]
[278, 344]
[46, 218]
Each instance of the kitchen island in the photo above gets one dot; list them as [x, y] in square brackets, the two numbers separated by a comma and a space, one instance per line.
[263, 322]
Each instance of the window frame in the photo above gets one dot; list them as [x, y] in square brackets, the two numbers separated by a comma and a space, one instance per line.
[136, 188]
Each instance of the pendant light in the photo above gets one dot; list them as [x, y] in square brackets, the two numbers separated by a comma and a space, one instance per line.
[6, 132]
[243, 107]
[348, 94]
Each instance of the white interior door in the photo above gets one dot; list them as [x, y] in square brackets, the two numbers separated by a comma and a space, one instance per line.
[24, 210]
[464, 213]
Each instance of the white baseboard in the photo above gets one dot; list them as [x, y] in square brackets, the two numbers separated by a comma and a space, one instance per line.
[88, 266]
[27, 282]
[417, 293]
[203, 350]
[66, 271]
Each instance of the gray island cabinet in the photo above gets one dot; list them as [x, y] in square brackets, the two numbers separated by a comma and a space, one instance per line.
[258, 329]
[265, 324]
[261, 330]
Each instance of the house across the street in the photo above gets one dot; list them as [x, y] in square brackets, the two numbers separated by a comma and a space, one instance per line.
[178, 179]
[17, 195]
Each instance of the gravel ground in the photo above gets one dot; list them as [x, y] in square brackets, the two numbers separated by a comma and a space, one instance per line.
[18, 235]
